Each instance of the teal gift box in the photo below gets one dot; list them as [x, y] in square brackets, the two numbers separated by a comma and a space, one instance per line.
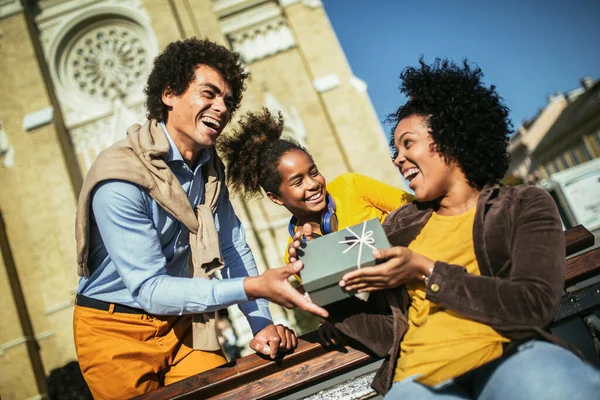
[327, 258]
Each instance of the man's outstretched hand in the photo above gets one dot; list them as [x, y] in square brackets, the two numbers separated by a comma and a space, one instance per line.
[274, 339]
[273, 285]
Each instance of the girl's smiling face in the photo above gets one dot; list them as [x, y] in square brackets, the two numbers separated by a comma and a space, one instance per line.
[302, 190]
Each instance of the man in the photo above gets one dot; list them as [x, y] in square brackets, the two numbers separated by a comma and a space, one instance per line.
[140, 239]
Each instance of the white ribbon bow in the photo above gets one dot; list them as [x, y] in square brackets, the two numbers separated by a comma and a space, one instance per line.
[364, 238]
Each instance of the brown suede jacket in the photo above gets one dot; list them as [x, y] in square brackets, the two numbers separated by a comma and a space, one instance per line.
[519, 246]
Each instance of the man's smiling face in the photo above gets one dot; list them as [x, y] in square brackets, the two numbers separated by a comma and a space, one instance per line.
[197, 116]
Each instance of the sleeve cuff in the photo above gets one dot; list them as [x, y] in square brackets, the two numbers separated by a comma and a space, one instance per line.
[230, 291]
[258, 314]
[439, 286]
[258, 323]
[435, 284]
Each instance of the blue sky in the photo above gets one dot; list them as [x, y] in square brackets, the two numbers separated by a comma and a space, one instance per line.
[528, 48]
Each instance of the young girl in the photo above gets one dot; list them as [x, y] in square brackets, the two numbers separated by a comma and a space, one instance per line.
[476, 272]
[257, 157]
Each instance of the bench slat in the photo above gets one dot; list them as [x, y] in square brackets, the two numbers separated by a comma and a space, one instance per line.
[582, 267]
[578, 238]
[310, 372]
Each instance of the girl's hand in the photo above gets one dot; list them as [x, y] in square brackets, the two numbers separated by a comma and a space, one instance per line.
[402, 265]
[300, 236]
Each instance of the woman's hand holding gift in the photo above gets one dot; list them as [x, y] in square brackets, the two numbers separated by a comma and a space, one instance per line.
[400, 265]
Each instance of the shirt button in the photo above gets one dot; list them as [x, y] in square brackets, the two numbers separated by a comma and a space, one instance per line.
[434, 287]
[179, 243]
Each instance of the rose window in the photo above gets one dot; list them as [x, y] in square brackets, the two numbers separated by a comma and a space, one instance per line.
[106, 61]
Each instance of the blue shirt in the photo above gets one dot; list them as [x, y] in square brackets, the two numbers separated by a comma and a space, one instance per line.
[139, 253]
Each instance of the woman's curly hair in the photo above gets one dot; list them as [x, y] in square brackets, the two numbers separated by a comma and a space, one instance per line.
[175, 68]
[468, 121]
[253, 151]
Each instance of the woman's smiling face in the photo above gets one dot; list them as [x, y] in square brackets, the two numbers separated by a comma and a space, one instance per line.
[428, 174]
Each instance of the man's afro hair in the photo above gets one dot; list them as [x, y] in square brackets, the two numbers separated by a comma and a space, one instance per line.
[175, 67]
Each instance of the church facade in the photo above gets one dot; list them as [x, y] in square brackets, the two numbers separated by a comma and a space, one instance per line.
[72, 78]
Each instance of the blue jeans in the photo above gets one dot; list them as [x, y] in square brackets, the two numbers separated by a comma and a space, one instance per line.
[538, 370]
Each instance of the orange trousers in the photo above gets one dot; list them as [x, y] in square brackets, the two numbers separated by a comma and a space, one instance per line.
[125, 355]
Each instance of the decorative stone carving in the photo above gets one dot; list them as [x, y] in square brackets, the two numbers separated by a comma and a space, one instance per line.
[293, 127]
[97, 51]
[9, 7]
[255, 31]
[312, 3]
[225, 7]
[358, 84]
[307, 3]
[55, 19]
[123, 118]
[287, 3]
[263, 41]
[38, 118]
[93, 137]
[326, 83]
[106, 62]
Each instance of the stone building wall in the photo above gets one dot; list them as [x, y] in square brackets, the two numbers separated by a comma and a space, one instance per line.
[69, 91]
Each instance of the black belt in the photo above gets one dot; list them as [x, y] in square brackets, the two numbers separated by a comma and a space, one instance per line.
[88, 302]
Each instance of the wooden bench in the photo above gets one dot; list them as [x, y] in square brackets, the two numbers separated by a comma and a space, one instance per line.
[312, 368]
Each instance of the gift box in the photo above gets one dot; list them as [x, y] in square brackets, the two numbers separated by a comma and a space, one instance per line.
[327, 258]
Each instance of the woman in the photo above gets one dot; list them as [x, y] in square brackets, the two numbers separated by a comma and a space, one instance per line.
[257, 157]
[475, 273]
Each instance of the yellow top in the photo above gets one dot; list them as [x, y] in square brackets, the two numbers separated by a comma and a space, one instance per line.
[441, 344]
[359, 198]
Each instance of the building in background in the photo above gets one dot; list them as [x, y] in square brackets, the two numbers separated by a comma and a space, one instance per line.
[559, 150]
[72, 78]
[569, 119]
[530, 133]
[574, 138]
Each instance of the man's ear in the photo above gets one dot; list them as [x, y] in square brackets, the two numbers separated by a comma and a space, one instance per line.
[168, 97]
[274, 198]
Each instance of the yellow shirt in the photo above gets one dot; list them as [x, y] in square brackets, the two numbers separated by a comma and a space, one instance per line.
[441, 344]
[359, 198]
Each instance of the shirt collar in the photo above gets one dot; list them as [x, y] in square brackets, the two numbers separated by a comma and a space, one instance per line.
[175, 154]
